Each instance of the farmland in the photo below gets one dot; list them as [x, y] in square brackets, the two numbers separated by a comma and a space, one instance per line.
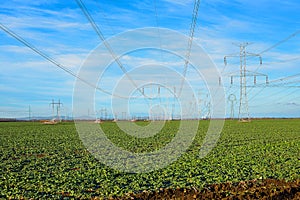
[50, 161]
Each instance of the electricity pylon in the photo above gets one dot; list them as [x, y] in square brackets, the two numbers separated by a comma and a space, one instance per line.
[57, 104]
[243, 74]
[232, 99]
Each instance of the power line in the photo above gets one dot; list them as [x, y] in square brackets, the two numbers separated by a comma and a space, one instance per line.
[285, 78]
[190, 42]
[280, 42]
[282, 82]
[277, 80]
[277, 44]
[277, 93]
[48, 58]
[106, 44]
[157, 26]
[282, 61]
[243, 74]
[272, 47]
[51, 60]
[58, 105]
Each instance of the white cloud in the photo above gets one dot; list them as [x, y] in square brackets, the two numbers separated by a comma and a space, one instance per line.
[61, 30]
[180, 2]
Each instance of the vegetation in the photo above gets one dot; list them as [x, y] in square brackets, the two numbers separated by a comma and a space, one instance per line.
[50, 161]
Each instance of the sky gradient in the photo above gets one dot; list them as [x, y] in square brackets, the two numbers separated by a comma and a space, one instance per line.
[60, 29]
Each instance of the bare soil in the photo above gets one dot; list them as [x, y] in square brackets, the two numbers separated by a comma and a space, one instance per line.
[253, 189]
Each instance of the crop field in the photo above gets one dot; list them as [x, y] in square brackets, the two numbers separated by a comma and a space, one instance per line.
[50, 161]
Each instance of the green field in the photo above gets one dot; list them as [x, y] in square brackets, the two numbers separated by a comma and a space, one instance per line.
[49, 161]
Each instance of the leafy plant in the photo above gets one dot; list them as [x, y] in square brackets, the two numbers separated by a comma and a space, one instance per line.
[40, 161]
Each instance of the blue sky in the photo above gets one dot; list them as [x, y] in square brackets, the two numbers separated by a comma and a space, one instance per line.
[60, 29]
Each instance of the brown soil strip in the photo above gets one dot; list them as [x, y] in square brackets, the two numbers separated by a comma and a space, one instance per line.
[254, 189]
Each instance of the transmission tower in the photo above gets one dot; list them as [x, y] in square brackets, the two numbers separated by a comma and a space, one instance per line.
[57, 104]
[232, 99]
[243, 74]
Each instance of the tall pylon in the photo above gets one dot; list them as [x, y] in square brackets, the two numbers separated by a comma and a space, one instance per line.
[243, 74]
[243, 108]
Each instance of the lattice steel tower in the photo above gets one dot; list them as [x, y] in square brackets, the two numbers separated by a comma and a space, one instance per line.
[243, 74]
[232, 99]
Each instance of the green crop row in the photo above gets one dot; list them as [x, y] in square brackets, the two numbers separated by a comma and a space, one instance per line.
[50, 161]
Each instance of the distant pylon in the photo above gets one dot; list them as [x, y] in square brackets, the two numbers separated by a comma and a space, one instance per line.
[232, 99]
[57, 104]
[243, 73]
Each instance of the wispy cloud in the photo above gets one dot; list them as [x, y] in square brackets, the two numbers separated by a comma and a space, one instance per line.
[60, 29]
[180, 2]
